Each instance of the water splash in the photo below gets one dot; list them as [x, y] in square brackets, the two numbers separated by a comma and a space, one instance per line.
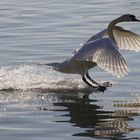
[33, 77]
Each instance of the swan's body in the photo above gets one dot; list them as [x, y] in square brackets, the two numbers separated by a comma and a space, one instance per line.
[102, 50]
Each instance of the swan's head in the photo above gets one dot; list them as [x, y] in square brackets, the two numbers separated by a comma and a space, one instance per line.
[129, 17]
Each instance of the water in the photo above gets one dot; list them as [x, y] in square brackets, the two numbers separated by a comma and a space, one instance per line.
[38, 103]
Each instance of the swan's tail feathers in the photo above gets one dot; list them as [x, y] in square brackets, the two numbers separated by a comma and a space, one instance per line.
[49, 65]
[39, 64]
[44, 65]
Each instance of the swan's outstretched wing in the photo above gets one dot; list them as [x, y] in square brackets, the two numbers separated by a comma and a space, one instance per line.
[105, 54]
[125, 39]
[100, 35]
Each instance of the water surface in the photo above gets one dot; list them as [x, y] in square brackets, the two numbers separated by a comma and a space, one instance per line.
[39, 103]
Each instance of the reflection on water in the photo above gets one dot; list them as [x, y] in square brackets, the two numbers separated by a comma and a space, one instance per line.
[98, 123]
[95, 121]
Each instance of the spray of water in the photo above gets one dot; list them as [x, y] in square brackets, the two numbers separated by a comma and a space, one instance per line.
[33, 77]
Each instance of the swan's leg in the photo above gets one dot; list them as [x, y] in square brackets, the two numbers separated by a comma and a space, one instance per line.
[105, 84]
[93, 81]
[88, 82]
[86, 78]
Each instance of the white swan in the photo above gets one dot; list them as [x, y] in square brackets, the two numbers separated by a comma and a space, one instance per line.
[102, 50]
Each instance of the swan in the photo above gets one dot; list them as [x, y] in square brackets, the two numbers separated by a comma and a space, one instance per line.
[102, 50]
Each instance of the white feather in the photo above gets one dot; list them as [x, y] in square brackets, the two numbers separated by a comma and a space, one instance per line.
[105, 54]
[125, 39]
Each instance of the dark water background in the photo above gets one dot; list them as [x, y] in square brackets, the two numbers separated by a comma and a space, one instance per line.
[37, 103]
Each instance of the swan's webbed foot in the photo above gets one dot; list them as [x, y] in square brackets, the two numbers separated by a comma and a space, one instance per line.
[107, 84]
[101, 88]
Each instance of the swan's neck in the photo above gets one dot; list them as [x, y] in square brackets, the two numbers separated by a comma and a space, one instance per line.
[111, 26]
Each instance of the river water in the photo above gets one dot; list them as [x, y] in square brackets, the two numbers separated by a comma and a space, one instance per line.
[37, 103]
